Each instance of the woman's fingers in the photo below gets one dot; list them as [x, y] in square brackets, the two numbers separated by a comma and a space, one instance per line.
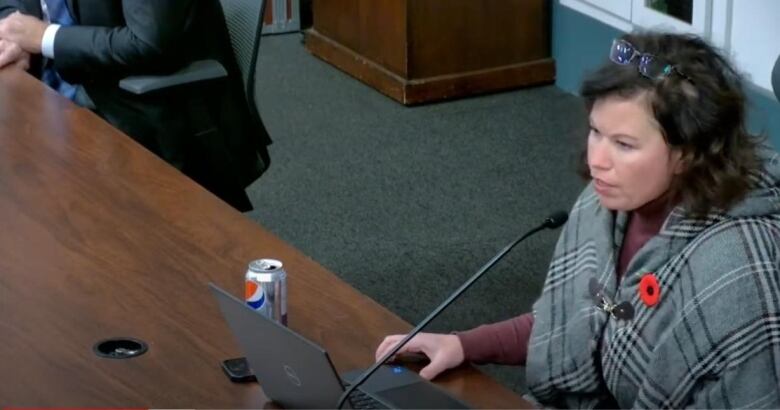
[387, 344]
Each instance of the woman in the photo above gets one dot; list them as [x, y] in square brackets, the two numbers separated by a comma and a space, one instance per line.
[664, 289]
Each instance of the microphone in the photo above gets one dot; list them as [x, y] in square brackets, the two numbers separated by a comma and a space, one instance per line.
[555, 220]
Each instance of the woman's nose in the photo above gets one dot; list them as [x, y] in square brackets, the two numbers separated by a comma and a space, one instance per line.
[598, 154]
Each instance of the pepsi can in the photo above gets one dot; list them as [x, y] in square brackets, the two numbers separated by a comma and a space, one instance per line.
[266, 289]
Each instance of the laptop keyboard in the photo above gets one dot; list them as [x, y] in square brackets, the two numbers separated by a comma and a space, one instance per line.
[361, 400]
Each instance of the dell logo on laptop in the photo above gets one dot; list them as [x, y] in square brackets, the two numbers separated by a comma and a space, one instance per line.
[292, 376]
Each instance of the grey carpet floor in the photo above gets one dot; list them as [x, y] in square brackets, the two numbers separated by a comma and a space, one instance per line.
[406, 203]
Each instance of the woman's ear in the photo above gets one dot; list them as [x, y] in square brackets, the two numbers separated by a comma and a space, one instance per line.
[679, 161]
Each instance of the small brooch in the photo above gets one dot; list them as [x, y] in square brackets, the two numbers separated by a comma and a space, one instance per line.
[649, 290]
[622, 310]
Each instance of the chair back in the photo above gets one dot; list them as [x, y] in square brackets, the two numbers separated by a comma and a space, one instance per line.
[244, 20]
[776, 78]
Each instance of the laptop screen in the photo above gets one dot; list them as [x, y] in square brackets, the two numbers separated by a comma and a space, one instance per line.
[297, 373]
[292, 371]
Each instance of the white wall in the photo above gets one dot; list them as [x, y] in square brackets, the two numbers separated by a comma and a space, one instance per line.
[747, 30]
[755, 38]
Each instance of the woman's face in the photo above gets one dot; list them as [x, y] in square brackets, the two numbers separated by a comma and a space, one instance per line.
[629, 160]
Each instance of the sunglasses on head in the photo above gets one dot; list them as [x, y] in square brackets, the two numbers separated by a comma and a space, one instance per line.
[622, 52]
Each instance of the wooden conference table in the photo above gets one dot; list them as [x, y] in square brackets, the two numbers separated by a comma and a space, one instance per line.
[101, 239]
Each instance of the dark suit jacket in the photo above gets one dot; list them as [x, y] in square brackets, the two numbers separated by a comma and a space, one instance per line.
[206, 130]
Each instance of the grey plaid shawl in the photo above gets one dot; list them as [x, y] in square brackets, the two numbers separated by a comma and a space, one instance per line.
[713, 339]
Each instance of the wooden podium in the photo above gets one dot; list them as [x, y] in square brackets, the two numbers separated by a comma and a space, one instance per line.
[417, 51]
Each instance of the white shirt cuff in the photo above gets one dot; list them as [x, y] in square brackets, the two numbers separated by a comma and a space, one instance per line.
[47, 42]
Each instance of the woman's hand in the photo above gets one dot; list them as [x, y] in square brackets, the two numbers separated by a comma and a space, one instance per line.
[444, 351]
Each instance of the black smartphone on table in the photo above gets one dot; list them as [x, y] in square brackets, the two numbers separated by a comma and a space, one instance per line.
[238, 370]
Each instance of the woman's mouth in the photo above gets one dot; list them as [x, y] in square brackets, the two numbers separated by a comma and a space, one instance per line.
[601, 186]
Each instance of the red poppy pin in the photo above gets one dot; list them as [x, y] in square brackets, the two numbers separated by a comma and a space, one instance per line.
[649, 290]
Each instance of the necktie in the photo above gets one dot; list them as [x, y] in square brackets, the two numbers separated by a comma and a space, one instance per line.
[58, 14]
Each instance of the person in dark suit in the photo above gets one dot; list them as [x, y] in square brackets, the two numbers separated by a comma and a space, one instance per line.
[204, 129]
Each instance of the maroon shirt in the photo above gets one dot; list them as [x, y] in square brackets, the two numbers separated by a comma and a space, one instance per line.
[507, 342]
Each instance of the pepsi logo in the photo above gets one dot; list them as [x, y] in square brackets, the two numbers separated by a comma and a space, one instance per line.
[254, 295]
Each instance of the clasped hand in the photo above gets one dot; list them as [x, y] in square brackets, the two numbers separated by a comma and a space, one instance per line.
[20, 36]
[444, 351]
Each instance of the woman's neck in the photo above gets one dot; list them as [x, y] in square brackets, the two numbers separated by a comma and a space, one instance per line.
[643, 223]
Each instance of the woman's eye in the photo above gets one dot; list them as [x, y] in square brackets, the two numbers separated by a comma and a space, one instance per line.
[624, 145]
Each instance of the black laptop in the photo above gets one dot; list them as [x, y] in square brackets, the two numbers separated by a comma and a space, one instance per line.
[296, 373]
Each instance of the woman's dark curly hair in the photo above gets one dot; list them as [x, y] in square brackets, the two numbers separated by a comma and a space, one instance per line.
[701, 113]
